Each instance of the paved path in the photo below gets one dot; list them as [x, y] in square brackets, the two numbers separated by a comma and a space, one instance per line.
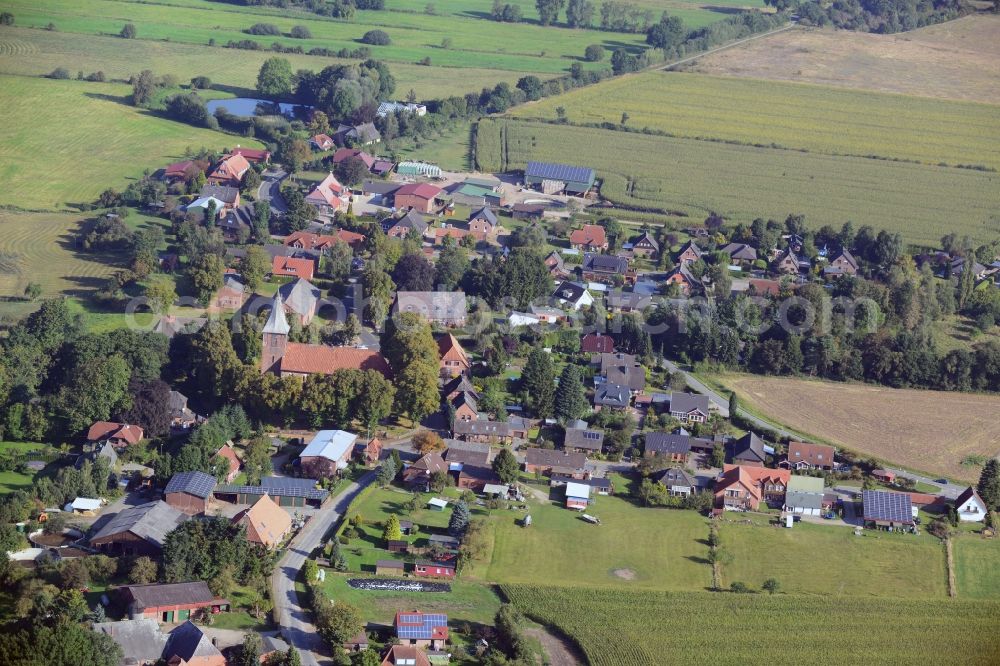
[270, 190]
[296, 626]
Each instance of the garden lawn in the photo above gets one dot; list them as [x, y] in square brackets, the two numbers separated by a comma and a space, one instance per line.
[977, 566]
[64, 142]
[11, 481]
[239, 617]
[467, 601]
[826, 559]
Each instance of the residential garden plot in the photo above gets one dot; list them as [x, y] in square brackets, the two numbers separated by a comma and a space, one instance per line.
[38, 52]
[815, 118]
[691, 178]
[977, 566]
[877, 565]
[64, 142]
[640, 627]
[931, 431]
[474, 43]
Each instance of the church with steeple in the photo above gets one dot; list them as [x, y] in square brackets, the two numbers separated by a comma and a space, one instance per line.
[296, 359]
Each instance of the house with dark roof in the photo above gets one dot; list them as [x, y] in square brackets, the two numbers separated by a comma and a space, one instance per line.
[678, 481]
[689, 254]
[607, 269]
[552, 461]
[573, 295]
[190, 492]
[137, 530]
[444, 308]
[553, 178]
[481, 430]
[888, 510]
[301, 299]
[843, 264]
[670, 446]
[612, 396]
[141, 641]
[364, 134]
[461, 453]
[689, 407]
[684, 279]
[622, 369]
[628, 301]
[597, 343]
[287, 491]
[419, 474]
[555, 263]
[787, 263]
[102, 452]
[645, 245]
[170, 602]
[802, 456]
[748, 450]
[476, 478]
[483, 222]
[187, 645]
[970, 506]
[458, 385]
[583, 440]
[341, 155]
[740, 253]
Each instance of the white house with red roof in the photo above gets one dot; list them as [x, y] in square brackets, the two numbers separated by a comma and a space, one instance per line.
[329, 196]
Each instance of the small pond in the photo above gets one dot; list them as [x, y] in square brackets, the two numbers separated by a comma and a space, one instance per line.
[250, 106]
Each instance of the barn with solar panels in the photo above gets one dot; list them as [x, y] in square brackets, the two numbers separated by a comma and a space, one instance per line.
[190, 492]
[554, 178]
[426, 630]
[887, 509]
[286, 491]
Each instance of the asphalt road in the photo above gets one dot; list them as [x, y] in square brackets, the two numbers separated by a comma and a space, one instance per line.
[950, 490]
[270, 190]
[296, 626]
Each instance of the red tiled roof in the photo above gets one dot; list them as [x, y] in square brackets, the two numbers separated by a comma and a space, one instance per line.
[328, 192]
[351, 238]
[106, 429]
[293, 267]
[405, 654]
[322, 140]
[594, 343]
[253, 154]
[814, 454]
[590, 234]
[751, 477]
[229, 453]
[449, 349]
[178, 169]
[420, 190]
[323, 359]
[344, 154]
[232, 167]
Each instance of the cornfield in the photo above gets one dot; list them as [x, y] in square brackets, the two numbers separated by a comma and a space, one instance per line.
[619, 628]
[690, 177]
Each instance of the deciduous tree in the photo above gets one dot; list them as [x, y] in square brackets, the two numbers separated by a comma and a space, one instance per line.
[506, 467]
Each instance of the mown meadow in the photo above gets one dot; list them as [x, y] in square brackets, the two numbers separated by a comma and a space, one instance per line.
[622, 628]
[688, 178]
[819, 119]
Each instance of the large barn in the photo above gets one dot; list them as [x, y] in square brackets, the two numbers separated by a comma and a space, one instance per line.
[552, 178]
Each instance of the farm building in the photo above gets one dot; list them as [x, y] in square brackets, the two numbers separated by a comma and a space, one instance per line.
[548, 461]
[426, 630]
[389, 568]
[83, 506]
[266, 522]
[483, 431]
[418, 475]
[577, 496]
[138, 530]
[884, 509]
[190, 492]
[444, 540]
[170, 602]
[398, 546]
[422, 197]
[437, 504]
[445, 308]
[476, 478]
[187, 645]
[286, 491]
[141, 641]
[804, 495]
[434, 569]
[461, 453]
[552, 178]
[418, 169]
[327, 453]
[884, 475]
[970, 506]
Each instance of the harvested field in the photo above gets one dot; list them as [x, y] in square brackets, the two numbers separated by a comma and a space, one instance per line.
[928, 431]
[954, 60]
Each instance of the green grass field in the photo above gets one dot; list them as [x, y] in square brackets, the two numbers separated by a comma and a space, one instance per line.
[977, 567]
[644, 627]
[38, 52]
[878, 565]
[692, 178]
[66, 141]
[816, 118]
[475, 43]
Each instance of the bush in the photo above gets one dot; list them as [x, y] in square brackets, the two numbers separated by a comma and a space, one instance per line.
[201, 83]
[594, 53]
[263, 29]
[6, 18]
[300, 32]
[59, 73]
[97, 76]
[128, 31]
[377, 38]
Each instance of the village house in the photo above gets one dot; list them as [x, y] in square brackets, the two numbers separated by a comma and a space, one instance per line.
[748, 450]
[231, 295]
[684, 279]
[465, 406]
[343, 154]
[328, 196]
[285, 490]
[458, 385]
[583, 440]
[183, 171]
[743, 488]
[327, 453]
[555, 178]
[843, 264]
[137, 530]
[253, 155]
[970, 506]
[181, 417]
[884, 476]
[190, 492]
[421, 197]
[669, 446]
[494, 432]
[628, 301]
[483, 223]
[612, 396]
[689, 407]
[804, 496]
[573, 295]
[740, 254]
[555, 264]
[589, 238]
[787, 263]
[170, 602]
[232, 459]
[645, 245]
[322, 142]
[418, 475]
[678, 481]
[266, 523]
[551, 461]
[424, 630]
[405, 655]
[475, 478]
[597, 343]
[444, 308]
[368, 453]
[607, 269]
[229, 171]
[229, 196]
[364, 134]
[435, 568]
[293, 267]
[379, 192]
[119, 435]
[689, 254]
[323, 242]
[102, 452]
[888, 510]
[187, 645]
[622, 369]
[454, 360]
[802, 456]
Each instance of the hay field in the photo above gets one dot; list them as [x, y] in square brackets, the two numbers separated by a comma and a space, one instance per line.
[39, 247]
[691, 178]
[928, 431]
[38, 52]
[816, 118]
[64, 142]
[953, 60]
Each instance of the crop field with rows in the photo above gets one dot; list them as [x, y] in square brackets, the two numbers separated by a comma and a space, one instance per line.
[621, 628]
[819, 119]
[690, 178]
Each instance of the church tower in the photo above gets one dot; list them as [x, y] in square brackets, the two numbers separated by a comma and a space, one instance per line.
[275, 337]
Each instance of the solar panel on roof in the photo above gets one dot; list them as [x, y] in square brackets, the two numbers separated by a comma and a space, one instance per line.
[881, 505]
[591, 435]
[564, 172]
